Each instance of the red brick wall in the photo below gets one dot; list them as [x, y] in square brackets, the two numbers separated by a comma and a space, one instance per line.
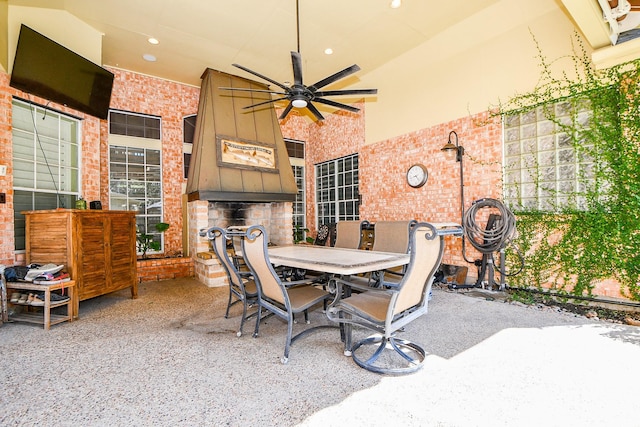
[164, 269]
[91, 161]
[387, 196]
[6, 182]
[383, 165]
[172, 101]
[131, 92]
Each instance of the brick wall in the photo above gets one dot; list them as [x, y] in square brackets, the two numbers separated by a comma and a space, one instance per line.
[386, 196]
[172, 101]
[164, 269]
[131, 92]
[6, 182]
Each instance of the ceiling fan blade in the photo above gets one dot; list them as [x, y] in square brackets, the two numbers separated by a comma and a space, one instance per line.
[296, 60]
[347, 92]
[261, 76]
[334, 77]
[336, 104]
[286, 111]
[252, 90]
[315, 111]
[265, 102]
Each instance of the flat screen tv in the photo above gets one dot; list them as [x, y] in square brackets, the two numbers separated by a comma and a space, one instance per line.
[49, 70]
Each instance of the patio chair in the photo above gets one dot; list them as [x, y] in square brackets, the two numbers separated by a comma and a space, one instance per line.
[283, 301]
[349, 234]
[242, 286]
[392, 236]
[236, 243]
[390, 308]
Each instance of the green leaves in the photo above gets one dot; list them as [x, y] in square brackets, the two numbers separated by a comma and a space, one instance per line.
[598, 237]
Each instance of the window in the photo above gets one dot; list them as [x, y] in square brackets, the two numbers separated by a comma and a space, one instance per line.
[299, 210]
[295, 149]
[135, 183]
[188, 135]
[46, 162]
[132, 124]
[135, 179]
[337, 196]
[542, 168]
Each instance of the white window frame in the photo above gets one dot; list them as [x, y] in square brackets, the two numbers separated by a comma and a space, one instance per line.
[56, 175]
[333, 188]
[144, 220]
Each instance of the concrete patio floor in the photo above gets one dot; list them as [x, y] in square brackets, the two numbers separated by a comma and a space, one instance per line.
[170, 358]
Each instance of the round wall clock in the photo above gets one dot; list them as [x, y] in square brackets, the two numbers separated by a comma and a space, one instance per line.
[417, 175]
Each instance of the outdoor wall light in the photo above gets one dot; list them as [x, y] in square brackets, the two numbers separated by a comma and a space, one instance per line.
[452, 146]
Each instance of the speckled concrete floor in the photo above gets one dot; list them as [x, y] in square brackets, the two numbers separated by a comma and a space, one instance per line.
[170, 358]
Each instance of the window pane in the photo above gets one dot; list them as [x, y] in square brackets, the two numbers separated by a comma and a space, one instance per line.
[542, 169]
[132, 124]
[337, 190]
[135, 183]
[46, 161]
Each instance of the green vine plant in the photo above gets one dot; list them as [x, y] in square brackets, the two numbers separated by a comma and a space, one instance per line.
[594, 234]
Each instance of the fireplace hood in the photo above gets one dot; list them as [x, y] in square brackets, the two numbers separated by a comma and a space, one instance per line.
[238, 155]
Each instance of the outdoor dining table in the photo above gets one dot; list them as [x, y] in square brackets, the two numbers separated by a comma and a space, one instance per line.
[342, 261]
[339, 261]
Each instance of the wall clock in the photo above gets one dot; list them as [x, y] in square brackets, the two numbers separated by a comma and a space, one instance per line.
[417, 175]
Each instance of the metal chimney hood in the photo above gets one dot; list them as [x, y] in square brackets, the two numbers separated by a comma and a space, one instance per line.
[238, 155]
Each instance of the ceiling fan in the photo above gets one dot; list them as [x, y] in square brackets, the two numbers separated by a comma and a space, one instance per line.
[301, 96]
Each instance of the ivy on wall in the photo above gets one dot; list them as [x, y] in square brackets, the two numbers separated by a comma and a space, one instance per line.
[596, 235]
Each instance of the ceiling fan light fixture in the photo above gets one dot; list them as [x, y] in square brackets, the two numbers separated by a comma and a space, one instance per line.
[300, 95]
[299, 103]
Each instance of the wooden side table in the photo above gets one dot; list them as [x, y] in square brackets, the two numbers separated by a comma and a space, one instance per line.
[46, 318]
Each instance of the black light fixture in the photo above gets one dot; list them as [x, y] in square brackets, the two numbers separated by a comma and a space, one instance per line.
[450, 146]
[453, 145]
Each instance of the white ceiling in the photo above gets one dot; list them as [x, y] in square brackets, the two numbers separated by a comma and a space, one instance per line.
[259, 34]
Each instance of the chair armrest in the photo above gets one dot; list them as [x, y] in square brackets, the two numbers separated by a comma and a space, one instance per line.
[293, 283]
[362, 284]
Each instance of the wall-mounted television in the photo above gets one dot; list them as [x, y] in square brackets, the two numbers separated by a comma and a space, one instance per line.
[49, 70]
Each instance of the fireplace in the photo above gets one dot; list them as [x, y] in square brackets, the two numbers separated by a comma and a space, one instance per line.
[239, 173]
[275, 217]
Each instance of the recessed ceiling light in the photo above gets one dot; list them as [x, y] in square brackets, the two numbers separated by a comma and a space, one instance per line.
[328, 51]
[149, 57]
[395, 4]
[153, 40]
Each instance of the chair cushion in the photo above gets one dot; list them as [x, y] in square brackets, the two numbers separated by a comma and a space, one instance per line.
[303, 297]
[372, 305]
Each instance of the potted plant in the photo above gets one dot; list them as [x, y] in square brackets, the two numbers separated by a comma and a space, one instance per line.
[299, 235]
[147, 241]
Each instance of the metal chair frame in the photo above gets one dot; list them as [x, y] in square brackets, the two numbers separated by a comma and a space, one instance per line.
[242, 286]
[282, 300]
[392, 307]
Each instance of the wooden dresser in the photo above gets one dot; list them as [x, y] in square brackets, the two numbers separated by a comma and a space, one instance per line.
[97, 247]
